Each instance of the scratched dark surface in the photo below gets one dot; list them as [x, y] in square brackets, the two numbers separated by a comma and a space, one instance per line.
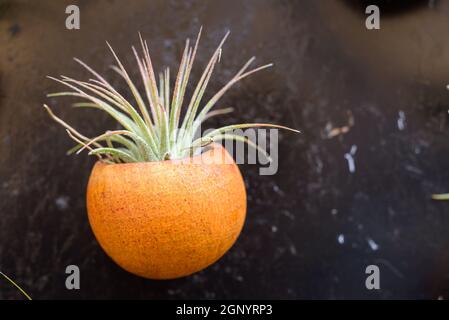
[312, 229]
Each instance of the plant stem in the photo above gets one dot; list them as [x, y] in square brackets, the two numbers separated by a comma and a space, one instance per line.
[16, 285]
[444, 196]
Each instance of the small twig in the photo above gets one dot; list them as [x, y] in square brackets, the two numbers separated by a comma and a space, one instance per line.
[442, 197]
[16, 285]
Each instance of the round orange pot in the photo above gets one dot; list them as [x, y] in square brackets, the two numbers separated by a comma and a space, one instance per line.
[168, 219]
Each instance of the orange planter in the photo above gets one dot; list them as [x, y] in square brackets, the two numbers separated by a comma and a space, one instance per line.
[168, 219]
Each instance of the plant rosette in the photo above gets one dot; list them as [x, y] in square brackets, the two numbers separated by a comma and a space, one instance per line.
[161, 202]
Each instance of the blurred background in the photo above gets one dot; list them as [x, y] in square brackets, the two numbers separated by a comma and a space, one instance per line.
[313, 228]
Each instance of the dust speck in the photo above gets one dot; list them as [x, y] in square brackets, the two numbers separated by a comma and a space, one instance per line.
[373, 245]
[341, 239]
[292, 249]
[401, 120]
[350, 158]
[62, 202]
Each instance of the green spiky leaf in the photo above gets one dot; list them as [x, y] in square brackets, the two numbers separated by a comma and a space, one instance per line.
[152, 126]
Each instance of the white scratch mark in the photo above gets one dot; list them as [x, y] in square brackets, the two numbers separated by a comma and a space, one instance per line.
[391, 267]
[341, 239]
[350, 158]
[373, 245]
[401, 120]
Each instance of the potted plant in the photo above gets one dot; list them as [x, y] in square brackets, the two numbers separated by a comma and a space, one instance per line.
[158, 201]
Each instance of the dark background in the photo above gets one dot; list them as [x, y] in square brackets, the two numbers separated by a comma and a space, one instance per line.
[327, 64]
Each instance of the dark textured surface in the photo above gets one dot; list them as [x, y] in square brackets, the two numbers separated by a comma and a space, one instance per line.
[292, 244]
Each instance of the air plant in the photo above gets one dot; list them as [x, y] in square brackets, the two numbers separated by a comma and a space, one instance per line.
[152, 126]
[155, 218]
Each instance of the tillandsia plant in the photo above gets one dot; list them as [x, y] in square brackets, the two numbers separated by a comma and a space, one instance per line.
[154, 131]
[152, 216]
